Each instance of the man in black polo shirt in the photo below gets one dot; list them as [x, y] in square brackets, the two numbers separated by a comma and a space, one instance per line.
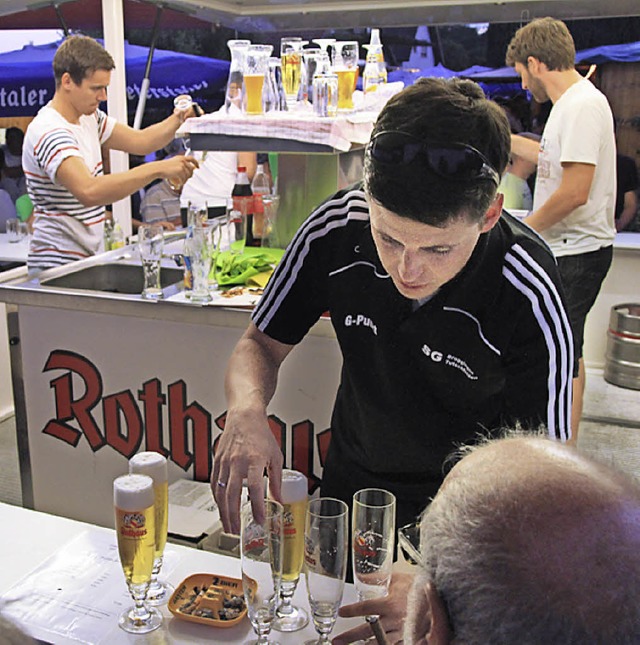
[448, 312]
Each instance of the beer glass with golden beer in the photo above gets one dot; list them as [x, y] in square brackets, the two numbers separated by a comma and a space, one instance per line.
[154, 465]
[135, 529]
[291, 62]
[345, 65]
[256, 66]
[294, 500]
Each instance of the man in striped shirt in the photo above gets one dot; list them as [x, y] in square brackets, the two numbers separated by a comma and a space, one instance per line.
[62, 157]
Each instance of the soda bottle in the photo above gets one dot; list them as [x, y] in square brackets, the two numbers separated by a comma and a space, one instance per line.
[259, 186]
[243, 202]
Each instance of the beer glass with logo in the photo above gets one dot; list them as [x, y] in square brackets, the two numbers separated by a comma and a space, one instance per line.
[261, 558]
[290, 618]
[291, 60]
[256, 66]
[154, 465]
[233, 97]
[326, 538]
[133, 500]
[345, 65]
[373, 539]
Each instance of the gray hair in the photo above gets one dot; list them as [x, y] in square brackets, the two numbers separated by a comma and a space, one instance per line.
[520, 557]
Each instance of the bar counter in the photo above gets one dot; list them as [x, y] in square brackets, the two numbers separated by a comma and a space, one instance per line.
[99, 376]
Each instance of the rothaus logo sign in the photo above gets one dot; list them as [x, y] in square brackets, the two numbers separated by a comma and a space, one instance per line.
[129, 421]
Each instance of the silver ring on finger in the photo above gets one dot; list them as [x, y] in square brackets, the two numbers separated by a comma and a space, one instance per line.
[221, 484]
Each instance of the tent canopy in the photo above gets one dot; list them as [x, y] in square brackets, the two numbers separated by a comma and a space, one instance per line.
[26, 77]
[625, 53]
[284, 15]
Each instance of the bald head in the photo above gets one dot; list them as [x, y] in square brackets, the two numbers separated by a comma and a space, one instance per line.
[529, 541]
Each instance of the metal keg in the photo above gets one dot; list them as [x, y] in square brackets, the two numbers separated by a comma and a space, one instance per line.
[622, 358]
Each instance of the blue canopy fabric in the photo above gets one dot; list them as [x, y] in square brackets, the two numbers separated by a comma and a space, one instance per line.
[26, 77]
[411, 75]
[625, 53]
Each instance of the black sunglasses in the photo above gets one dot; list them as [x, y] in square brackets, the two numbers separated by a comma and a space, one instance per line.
[458, 161]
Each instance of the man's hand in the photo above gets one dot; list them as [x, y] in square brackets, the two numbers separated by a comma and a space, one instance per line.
[391, 609]
[177, 168]
[246, 448]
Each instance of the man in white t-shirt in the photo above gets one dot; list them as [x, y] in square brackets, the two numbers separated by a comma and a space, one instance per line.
[575, 193]
[62, 157]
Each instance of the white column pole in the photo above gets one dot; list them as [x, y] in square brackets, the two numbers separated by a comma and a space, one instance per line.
[113, 27]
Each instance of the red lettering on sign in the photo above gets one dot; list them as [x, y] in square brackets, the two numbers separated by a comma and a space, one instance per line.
[180, 415]
[68, 408]
[114, 408]
[153, 399]
[126, 422]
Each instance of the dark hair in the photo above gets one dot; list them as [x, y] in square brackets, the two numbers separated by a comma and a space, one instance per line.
[80, 56]
[440, 111]
[546, 39]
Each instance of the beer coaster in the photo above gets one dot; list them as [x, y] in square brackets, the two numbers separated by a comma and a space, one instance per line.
[209, 599]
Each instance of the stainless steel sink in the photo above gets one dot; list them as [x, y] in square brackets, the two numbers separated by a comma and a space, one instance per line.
[112, 278]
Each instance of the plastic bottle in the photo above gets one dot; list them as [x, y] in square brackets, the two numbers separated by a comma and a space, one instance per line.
[376, 47]
[243, 202]
[371, 77]
[259, 186]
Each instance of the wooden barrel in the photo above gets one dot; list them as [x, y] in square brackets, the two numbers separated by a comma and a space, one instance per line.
[622, 357]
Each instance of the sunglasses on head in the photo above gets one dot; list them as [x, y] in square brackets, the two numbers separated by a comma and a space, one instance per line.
[451, 160]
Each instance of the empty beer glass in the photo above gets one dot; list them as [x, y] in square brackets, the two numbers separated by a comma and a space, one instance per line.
[150, 245]
[326, 538]
[233, 95]
[261, 561]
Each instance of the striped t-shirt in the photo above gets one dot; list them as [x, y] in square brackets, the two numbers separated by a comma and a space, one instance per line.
[63, 230]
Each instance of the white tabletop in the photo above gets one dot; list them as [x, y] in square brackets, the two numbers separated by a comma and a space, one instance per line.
[30, 540]
[13, 251]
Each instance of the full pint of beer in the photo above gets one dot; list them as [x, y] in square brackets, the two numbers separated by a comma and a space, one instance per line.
[253, 86]
[294, 501]
[290, 618]
[154, 465]
[135, 526]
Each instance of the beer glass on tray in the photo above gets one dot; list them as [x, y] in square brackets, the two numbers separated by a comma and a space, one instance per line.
[261, 547]
[291, 60]
[154, 465]
[373, 538]
[133, 500]
[290, 618]
[256, 67]
[325, 561]
[345, 65]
